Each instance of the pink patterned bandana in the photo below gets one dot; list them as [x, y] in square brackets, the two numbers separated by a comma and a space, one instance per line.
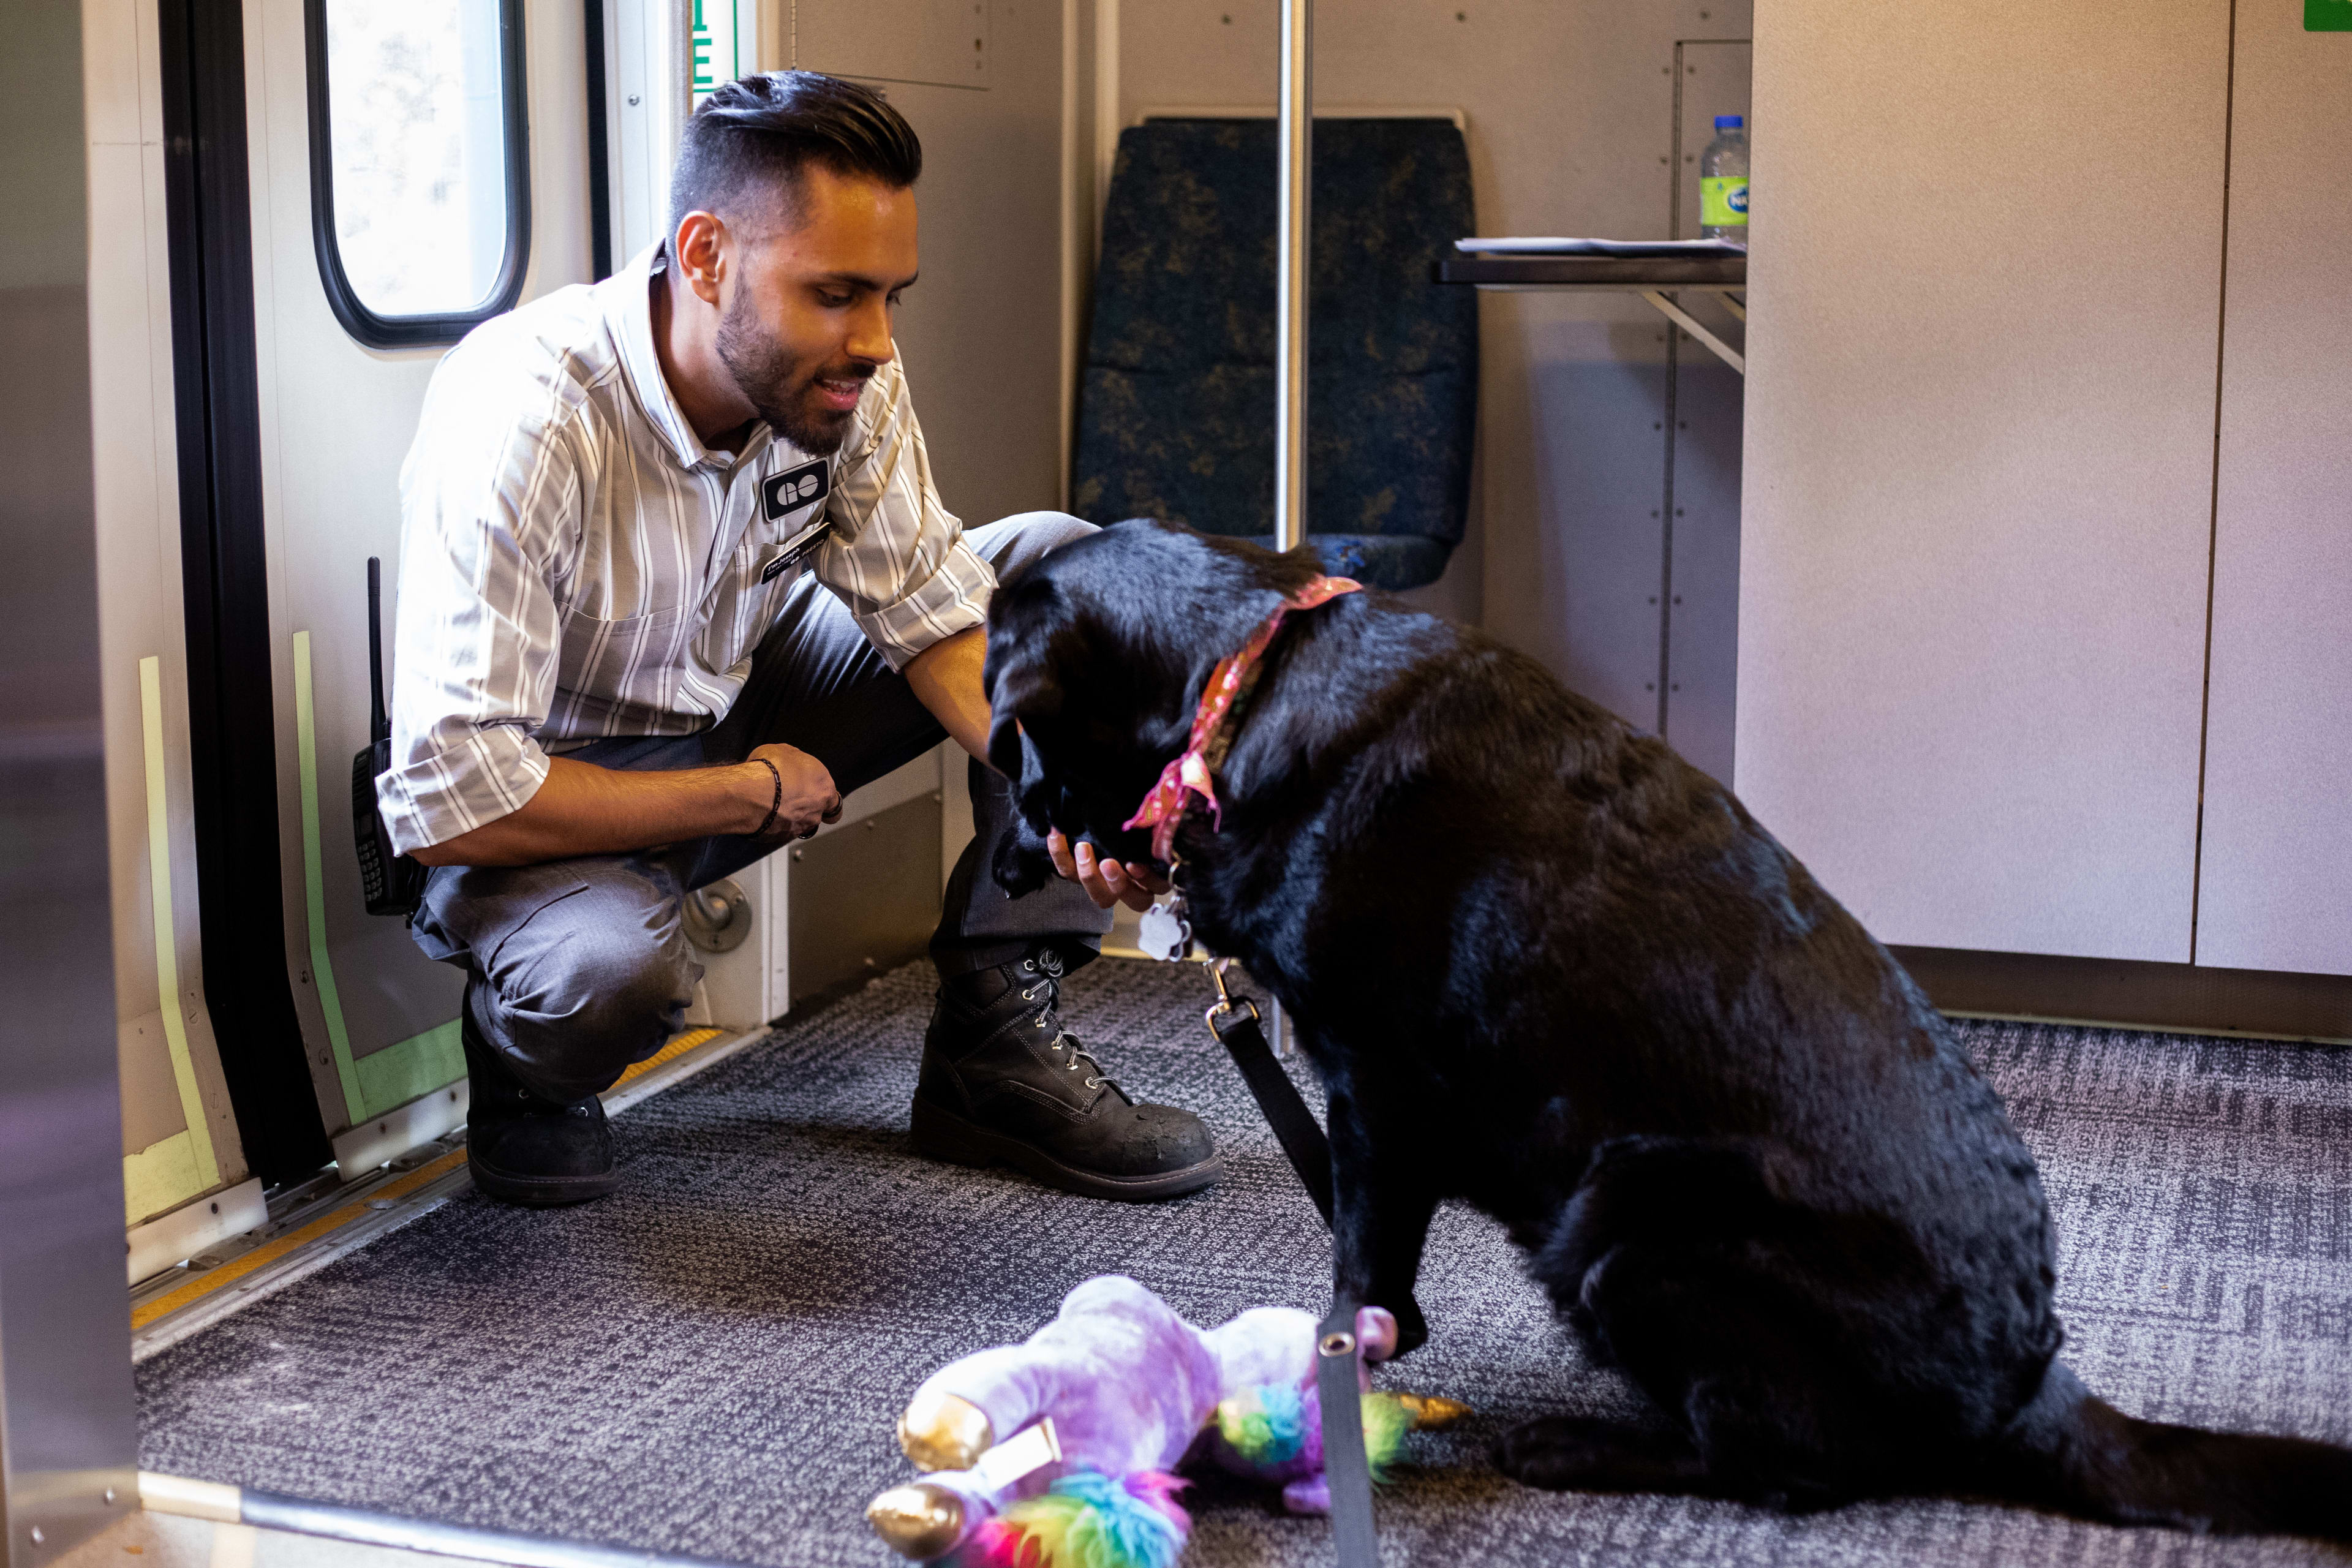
[1163, 809]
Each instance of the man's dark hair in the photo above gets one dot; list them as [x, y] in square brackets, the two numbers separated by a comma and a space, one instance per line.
[748, 144]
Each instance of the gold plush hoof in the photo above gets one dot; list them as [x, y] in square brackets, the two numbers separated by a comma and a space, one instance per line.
[1431, 1412]
[918, 1520]
[944, 1432]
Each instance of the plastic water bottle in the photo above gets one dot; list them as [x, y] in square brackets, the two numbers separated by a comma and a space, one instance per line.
[1723, 182]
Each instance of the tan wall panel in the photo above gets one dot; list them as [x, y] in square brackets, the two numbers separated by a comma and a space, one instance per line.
[980, 331]
[1978, 462]
[2277, 884]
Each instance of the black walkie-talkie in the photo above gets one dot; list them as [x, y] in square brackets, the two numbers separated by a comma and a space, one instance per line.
[391, 883]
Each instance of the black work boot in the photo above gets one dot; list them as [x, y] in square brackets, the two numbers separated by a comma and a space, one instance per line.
[1001, 1083]
[524, 1148]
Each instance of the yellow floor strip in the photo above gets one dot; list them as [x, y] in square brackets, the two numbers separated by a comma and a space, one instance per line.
[236, 1268]
[675, 1049]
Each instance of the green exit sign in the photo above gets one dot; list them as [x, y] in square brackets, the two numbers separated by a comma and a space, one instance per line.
[2327, 15]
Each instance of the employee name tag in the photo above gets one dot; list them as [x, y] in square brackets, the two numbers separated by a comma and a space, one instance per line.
[794, 489]
[800, 545]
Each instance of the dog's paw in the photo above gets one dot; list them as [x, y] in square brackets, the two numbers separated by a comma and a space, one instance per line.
[1572, 1453]
[1021, 865]
[1412, 1328]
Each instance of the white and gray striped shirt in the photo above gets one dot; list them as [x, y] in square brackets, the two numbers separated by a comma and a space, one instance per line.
[574, 563]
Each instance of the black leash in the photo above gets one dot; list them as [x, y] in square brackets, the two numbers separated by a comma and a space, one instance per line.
[1301, 1136]
[1337, 1384]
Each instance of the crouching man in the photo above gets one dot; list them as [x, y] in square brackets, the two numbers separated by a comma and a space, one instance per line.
[674, 579]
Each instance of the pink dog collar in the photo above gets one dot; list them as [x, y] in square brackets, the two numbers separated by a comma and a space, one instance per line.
[1163, 809]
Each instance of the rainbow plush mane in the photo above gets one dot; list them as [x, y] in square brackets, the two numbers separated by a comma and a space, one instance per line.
[1087, 1520]
[1275, 1431]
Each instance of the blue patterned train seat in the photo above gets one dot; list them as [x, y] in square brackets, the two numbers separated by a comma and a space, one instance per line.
[1176, 402]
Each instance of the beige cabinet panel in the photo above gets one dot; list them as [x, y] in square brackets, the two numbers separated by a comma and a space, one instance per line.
[1979, 446]
[2276, 889]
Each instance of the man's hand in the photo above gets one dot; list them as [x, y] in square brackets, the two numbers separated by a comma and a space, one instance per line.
[583, 809]
[1106, 882]
[809, 798]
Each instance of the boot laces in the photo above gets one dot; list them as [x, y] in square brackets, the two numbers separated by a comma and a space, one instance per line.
[1065, 1044]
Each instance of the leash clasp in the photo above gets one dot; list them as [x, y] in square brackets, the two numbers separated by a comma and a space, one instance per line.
[1225, 1002]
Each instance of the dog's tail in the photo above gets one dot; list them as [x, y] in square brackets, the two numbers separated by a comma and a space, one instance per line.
[2073, 1452]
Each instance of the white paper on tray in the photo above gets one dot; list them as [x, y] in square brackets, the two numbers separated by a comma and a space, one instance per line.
[1692, 248]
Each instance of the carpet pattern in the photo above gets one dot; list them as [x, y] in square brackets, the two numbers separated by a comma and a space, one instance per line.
[710, 1361]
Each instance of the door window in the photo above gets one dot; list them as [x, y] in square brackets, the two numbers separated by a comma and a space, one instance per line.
[418, 170]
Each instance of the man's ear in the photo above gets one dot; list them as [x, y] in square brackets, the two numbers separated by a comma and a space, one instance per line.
[699, 254]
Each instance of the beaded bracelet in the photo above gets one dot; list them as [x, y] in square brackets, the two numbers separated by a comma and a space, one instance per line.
[776, 804]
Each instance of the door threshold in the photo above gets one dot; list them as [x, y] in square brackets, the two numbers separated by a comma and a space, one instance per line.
[324, 1218]
[417, 1541]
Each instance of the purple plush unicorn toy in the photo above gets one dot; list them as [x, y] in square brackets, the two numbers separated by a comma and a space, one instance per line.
[1061, 1452]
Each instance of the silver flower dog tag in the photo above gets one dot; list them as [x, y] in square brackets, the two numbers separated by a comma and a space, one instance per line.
[1165, 932]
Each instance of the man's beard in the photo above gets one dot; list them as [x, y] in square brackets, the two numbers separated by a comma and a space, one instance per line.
[761, 370]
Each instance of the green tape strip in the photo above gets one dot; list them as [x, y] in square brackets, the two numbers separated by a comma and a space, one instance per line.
[314, 892]
[413, 1068]
[167, 947]
[381, 1080]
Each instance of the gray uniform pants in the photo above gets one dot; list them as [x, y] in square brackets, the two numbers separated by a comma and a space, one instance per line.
[580, 967]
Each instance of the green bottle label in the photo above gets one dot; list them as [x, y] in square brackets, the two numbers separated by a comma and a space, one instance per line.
[1723, 201]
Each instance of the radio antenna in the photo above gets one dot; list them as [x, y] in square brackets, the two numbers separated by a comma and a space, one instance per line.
[379, 723]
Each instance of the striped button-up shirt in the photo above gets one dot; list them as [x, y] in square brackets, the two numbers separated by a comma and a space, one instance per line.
[575, 563]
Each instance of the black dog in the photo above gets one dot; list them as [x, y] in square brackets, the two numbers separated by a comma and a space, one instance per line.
[1545, 965]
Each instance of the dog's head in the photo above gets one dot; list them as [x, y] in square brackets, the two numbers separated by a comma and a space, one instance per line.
[1097, 656]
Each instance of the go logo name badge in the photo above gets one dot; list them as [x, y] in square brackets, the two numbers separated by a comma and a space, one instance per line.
[782, 494]
[793, 488]
[1723, 198]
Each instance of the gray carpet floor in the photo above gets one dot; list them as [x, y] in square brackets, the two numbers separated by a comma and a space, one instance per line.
[710, 1361]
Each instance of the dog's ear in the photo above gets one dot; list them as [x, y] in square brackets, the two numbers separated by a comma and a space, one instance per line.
[1025, 691]
[1020, 673]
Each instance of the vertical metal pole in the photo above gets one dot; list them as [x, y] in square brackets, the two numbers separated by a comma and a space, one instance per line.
[1108, 121]
[69, 1438]
[1295, 134]
[1294, 159]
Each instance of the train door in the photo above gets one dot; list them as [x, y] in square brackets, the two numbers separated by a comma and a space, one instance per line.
[415, 169]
